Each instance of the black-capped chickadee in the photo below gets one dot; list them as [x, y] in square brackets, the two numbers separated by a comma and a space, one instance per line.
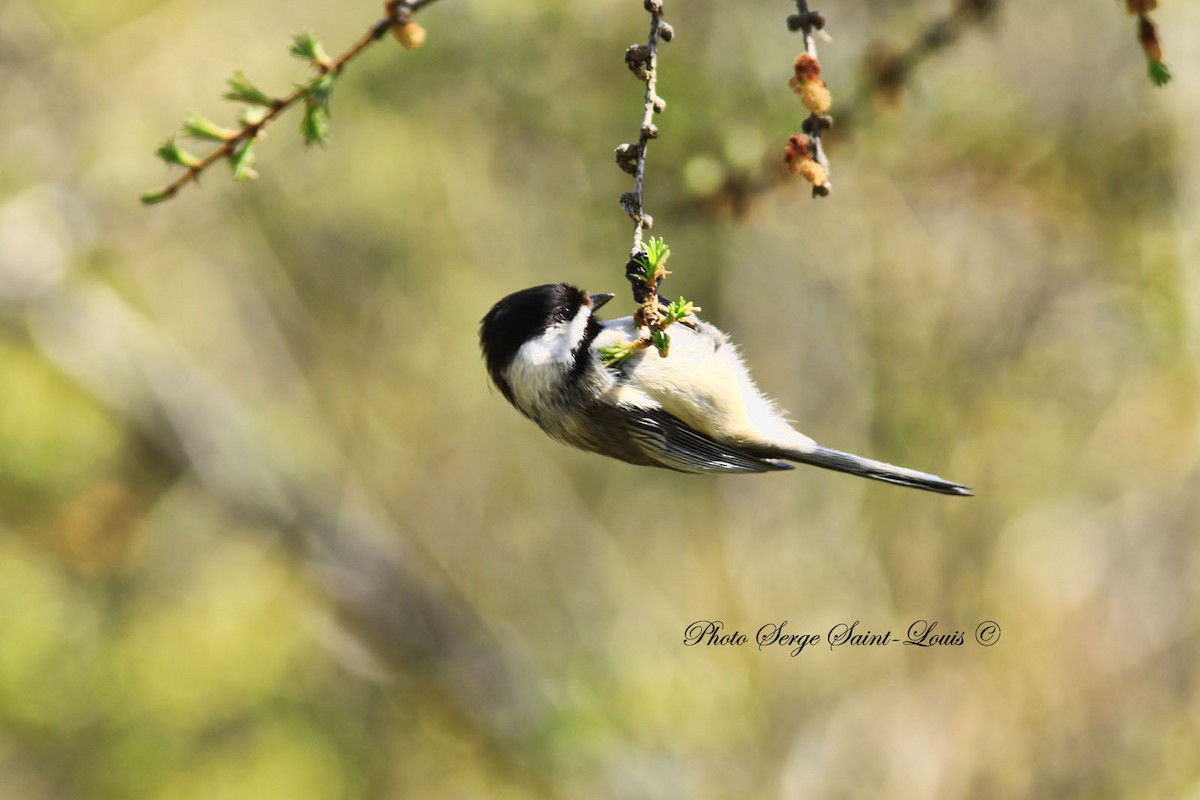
[695, 411]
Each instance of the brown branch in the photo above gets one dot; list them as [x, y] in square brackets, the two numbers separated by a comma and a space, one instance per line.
[805, 154]
[1148, 38]
[648, 130]
[397, 13]
[887, 75]
[642, 60]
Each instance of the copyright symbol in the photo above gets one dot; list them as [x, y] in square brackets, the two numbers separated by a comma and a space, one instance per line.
[987, 633]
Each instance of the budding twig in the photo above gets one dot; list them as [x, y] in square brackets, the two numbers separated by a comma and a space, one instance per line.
[1148, 39]
[805, 154]
[644, 268]
[642, 60]
[237, 145]
[887, 73]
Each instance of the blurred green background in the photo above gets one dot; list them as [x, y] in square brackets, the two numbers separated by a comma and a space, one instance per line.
[267, 532]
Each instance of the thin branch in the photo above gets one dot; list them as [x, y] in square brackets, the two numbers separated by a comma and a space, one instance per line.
[887, 73]
[398, 14]
[653, 104]
[1148, 39]
[644, 268]
[807, 156]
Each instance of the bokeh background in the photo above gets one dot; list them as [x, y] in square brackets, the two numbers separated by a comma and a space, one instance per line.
[266, 531]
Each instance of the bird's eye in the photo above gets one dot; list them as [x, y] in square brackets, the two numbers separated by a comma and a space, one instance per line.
[566, 311]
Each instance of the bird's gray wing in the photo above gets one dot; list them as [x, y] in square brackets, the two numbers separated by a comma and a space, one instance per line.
[654, 437]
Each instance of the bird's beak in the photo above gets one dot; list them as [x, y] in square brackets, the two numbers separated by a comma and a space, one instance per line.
[599, 300]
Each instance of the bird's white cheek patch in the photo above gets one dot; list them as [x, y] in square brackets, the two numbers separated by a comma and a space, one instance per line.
[538, 368]
[557, 343]
[576, 330]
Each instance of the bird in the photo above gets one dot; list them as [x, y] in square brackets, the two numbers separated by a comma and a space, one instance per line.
[696, 410]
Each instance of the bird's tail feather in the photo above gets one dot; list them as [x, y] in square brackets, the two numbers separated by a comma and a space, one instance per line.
[877, 470]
